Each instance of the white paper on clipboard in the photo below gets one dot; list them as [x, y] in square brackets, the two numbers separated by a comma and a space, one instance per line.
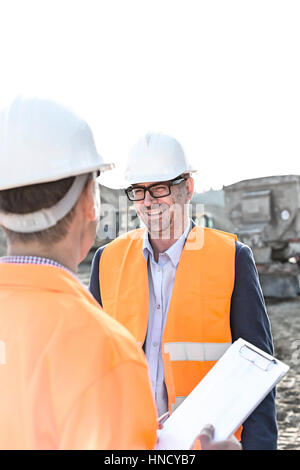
[225, 397]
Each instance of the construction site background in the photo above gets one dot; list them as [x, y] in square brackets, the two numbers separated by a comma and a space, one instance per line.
[284, 313]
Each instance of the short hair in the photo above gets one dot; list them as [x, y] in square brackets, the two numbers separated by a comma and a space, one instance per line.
[27, 199]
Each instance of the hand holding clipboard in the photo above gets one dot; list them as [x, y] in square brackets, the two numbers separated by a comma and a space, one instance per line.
[225, 397]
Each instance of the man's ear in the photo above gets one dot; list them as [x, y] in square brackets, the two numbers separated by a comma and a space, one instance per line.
[91, 200]
[190, 185]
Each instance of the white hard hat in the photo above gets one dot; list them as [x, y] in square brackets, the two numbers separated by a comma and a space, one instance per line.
[156, 157]
[42, 141]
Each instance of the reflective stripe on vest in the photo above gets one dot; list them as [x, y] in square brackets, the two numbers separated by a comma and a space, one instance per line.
[182, 351]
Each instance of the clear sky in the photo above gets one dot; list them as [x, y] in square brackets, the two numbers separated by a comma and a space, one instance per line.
[223, 76]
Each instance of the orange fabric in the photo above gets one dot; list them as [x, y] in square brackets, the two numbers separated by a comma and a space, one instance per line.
[73, 378]
[200, 304]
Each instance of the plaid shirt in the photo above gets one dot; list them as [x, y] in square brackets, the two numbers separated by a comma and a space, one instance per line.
[19, 259]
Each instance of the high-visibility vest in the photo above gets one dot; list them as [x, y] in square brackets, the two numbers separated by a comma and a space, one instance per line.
[197, 330]
[70, 376]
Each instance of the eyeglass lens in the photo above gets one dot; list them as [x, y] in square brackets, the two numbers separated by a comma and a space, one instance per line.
[160, 190]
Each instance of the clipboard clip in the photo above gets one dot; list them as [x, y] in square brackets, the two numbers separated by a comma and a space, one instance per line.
[258, 359]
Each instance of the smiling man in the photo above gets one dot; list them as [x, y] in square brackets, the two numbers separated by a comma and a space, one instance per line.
[162, 207]
[183, 291]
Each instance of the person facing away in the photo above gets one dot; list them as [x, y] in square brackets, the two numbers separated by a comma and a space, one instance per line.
[185, 292]
[72, 378]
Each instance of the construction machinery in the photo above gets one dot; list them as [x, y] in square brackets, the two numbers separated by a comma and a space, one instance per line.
[265, 214]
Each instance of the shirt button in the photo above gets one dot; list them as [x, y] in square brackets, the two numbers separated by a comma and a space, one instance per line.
[155, 344]
[158, 306]
[158, 269]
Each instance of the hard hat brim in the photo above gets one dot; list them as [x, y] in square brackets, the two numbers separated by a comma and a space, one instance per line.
[103, 167]
[116, 179]
[113, 179]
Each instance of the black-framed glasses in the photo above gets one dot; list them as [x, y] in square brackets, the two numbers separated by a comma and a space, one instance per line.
[156, 190]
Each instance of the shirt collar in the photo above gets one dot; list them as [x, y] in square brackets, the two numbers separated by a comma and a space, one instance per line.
[174, 252]
[26, 259]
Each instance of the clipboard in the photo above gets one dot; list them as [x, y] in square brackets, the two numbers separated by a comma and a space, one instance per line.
[225, 397]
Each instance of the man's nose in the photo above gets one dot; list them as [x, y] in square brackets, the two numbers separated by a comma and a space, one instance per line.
[149, 200]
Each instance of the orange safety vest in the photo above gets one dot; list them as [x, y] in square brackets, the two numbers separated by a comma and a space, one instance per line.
[70, 376]
[197, 330]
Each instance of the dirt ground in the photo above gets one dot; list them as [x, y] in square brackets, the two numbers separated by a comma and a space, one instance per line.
[285, 324]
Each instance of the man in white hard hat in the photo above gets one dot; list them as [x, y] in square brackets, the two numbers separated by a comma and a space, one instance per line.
[185, 292]
[66, 382]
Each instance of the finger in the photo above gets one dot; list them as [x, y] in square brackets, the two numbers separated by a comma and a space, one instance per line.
[162, 419]
[206, 436]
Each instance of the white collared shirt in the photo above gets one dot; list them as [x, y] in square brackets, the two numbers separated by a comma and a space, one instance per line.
[161, 276]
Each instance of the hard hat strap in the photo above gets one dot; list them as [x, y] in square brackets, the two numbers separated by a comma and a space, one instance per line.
[45, 218]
